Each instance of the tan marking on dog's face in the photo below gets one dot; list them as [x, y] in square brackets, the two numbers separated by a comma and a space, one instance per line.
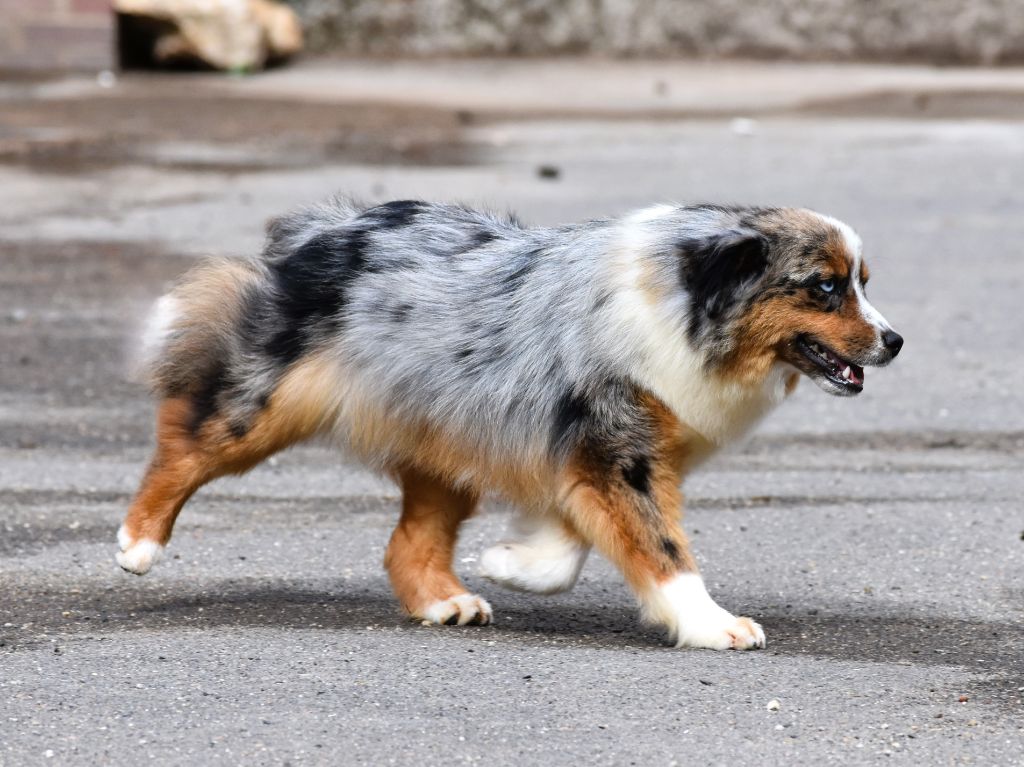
[836, 261]
[845, 327]
[797, 307]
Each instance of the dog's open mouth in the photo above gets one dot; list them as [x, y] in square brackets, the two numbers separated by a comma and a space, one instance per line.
[840, 372]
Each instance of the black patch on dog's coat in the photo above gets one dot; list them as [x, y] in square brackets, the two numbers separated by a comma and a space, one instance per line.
[712, 270]
[670, 549]
[400, 312]
[204, 401]
[612, 434]
[526, 264]
[392, 215]
[481, 238]
[569, 421]
[310, 287]
[638, 474]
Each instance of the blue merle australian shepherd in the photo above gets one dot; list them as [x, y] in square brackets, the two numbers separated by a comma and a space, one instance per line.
[578, 371]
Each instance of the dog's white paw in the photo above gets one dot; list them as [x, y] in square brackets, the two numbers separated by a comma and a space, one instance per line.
[695, 620]
[725, 633]
[137, 556]
[458, 611]
[546, 561]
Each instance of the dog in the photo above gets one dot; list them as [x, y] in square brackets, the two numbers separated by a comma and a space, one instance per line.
[579, 371]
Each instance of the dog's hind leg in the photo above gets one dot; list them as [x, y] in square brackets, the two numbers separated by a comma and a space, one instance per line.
[546, 557]
[174, 473]
[419, 555]
[185, 459]
[182, 463]
[195, 447]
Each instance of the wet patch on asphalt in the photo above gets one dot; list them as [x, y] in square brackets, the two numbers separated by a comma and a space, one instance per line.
[172, 124]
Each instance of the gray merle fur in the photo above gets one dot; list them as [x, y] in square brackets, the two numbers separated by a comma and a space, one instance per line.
[504, 335]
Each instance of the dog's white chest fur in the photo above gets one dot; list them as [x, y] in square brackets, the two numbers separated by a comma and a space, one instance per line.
[720, 411]
[645, 330]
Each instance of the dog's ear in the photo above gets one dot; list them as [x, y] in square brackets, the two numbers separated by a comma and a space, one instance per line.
[715, 269]
[743, 254]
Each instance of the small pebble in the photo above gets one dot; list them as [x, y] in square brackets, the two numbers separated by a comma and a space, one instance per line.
[743, 126]
[773, 705]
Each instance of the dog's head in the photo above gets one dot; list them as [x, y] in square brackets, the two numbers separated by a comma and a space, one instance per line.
[787, 285]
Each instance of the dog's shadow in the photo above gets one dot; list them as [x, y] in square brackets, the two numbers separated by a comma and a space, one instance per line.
[521, 618]
[853, 634]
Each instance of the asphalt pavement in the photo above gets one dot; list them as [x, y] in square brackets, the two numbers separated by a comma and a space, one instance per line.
[879, 540]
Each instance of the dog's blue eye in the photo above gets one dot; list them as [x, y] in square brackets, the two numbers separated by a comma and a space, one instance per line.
[827, 286]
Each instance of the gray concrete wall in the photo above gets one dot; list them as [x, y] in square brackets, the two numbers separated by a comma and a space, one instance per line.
[938, 31]
[56, 34]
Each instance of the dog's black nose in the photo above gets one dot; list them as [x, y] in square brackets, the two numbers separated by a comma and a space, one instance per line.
[893, 341]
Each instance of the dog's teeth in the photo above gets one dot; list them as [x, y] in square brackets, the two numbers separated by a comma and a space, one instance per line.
[846, 373]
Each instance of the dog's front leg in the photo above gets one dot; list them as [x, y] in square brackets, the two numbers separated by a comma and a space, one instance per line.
[631, 512]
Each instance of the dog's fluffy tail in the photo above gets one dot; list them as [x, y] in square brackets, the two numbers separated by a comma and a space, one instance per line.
[193, 330]
[197, 335]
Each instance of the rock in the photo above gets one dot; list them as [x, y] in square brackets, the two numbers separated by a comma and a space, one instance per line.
[223, 34]
[281, 28]
[773, 705]
[743, 126]
[549, 172]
